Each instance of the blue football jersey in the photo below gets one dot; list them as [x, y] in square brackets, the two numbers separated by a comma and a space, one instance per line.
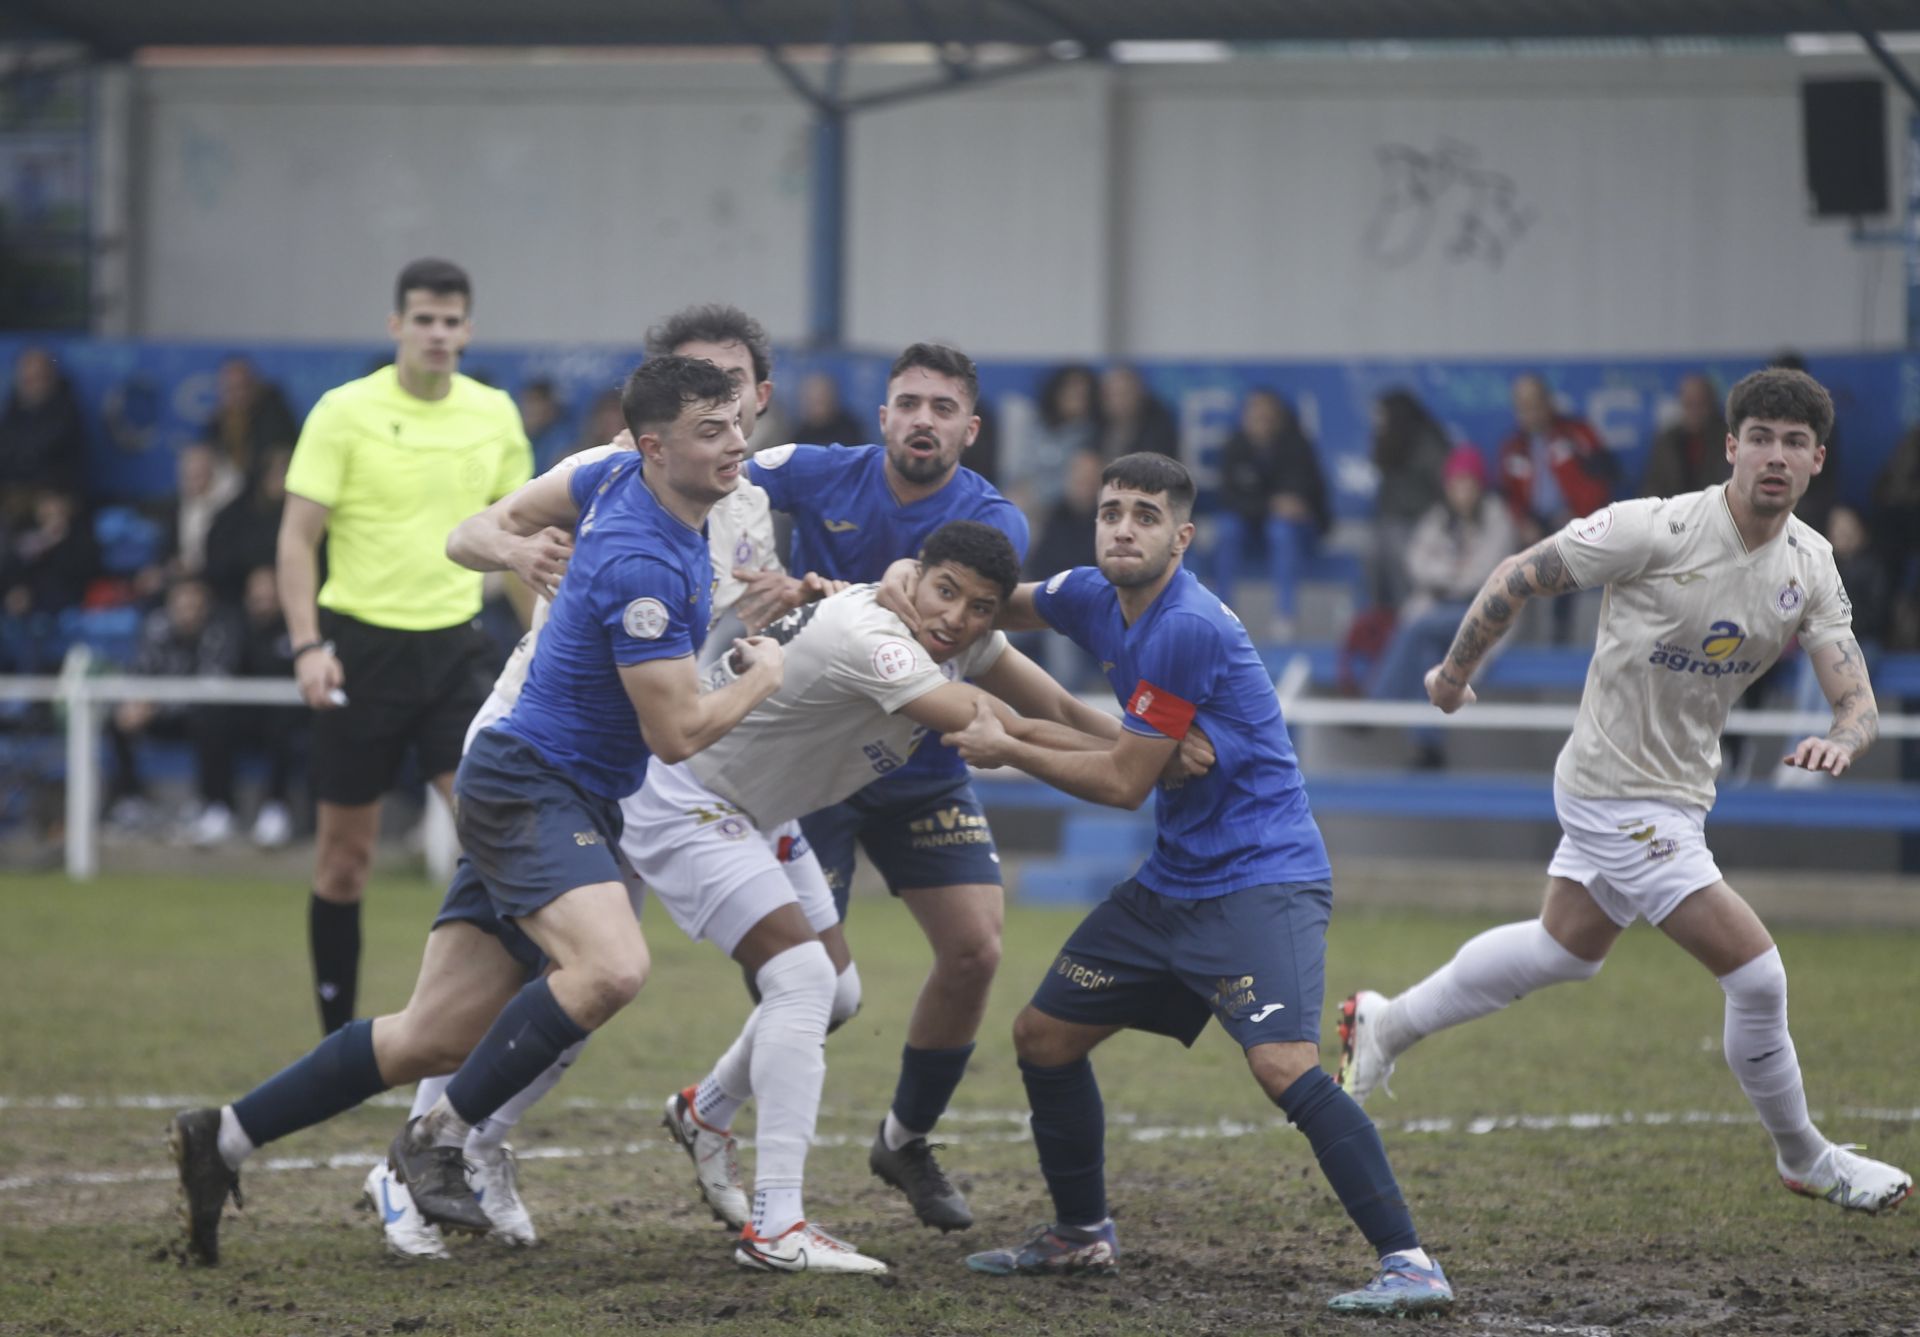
[847, 525]
[1188, 661]
[639, 587]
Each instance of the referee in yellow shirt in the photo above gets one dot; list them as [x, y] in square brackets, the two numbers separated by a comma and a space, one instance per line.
[388, 653]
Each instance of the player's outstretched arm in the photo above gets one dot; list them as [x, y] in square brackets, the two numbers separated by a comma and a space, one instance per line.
[677, 719]
[1031, 690]
[1120, 775]
[1537, 572]
[1856, 716]
[528, 532]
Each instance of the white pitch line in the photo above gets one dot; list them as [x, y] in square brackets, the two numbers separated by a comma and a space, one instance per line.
[1124, 1127]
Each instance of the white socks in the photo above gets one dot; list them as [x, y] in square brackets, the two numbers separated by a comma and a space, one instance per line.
[730, 1085]
[898, 1134]
[235, 1146]
[1761, 1054]
[1487, 973]
[787, 1066]
[488, 1135]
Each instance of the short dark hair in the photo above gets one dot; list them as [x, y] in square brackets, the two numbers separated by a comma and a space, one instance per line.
[1783, 395]
[714, 323]
[977, 547]
[662, 387]
[1151, 472]
[941, 358]
[442, 278]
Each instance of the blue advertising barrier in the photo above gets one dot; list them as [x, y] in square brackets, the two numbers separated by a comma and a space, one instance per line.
[144, 399]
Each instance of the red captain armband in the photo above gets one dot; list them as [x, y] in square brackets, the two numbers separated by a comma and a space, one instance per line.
[1162, 709]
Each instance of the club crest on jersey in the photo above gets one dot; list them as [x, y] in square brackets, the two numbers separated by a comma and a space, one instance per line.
[892, 660]
[645, 619]
[1594, 528]
[773, 457]
[1789, 597]
[743, 553]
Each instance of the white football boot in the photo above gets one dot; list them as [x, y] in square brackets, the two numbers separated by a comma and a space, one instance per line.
[409, 1235]
[716, 1160]
[494, 1177]
[1858, 1183]
[802, 1248]
[1363, 1061]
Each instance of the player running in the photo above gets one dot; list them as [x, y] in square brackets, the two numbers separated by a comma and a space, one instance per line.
[1228, 916]
[538, 814]
[1704, 590]
[856, 510]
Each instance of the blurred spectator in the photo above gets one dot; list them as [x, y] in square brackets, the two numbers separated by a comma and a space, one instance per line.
[1689, 453]
[1068, 424]
[545, 419]
[1862, 575]
[244, 535]
[205, 483]
[221, 732]
[1453, 549]
[602, 423]
[1271, 492]
[48, 565]
[1410, 451]
[187, 636]
[823, 420]
[1066, 531]
[43, 441]
[1823, 493]
[250, 418]
[1132, 419]
[1896, 523]
[1554, 467]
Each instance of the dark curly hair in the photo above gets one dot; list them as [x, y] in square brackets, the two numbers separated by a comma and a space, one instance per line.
[662, 387]
[977, 547]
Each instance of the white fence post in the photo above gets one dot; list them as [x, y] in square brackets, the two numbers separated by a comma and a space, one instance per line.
[83, 769]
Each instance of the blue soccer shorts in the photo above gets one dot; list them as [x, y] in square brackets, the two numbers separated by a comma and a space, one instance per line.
[530, 834]
[1254, 958]
[920, 833]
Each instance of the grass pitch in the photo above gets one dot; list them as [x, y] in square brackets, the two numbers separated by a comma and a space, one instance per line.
[1659, 1214]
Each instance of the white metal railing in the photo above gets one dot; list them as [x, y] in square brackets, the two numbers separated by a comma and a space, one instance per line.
[82, 693]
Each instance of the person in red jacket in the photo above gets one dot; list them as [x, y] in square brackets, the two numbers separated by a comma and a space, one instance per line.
[1554, 468]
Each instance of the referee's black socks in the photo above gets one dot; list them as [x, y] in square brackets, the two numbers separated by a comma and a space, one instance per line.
[333, 934]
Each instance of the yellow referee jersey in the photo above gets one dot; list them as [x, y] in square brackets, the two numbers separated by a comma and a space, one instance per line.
[398, 473]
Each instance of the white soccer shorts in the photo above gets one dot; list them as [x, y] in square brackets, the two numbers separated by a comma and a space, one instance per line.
[716, 874]
[1637, 858]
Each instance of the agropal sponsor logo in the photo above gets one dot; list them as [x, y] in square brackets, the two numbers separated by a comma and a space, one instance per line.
[1716, 657]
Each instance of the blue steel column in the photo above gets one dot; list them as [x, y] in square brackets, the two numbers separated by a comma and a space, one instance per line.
[827, 242]
[1913, 233]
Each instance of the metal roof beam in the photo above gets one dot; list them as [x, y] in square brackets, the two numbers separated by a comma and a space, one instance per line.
[1888, 61]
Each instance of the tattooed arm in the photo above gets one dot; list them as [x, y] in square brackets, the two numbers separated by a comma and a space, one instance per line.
[1856, 718]
[1527, 575]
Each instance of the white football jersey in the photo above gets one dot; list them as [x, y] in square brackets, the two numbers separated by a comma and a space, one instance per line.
[832, 728]
[739, 534]
[1690, 620]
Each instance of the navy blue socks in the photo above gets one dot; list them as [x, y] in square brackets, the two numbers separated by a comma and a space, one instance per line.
[928, 1078]
[1352, 1158]
[530, 1033]
[1070, 1133]
[338, 1074]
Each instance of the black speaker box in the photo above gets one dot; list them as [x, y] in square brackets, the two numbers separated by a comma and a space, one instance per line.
[1844, 124]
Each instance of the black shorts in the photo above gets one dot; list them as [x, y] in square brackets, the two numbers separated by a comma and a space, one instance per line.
[405, 689]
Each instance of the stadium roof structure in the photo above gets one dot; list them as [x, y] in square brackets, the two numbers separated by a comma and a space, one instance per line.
[116, 28]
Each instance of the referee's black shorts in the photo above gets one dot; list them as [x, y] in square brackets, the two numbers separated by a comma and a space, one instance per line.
[405, 689]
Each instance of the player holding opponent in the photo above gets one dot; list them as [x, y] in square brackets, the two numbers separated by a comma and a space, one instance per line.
[538, 814]
[1703, 592]
[741, 546]
[713, 837]
[1228, 915]
[856, 510]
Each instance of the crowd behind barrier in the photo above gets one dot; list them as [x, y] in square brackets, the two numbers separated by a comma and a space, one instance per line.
[141, 486]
